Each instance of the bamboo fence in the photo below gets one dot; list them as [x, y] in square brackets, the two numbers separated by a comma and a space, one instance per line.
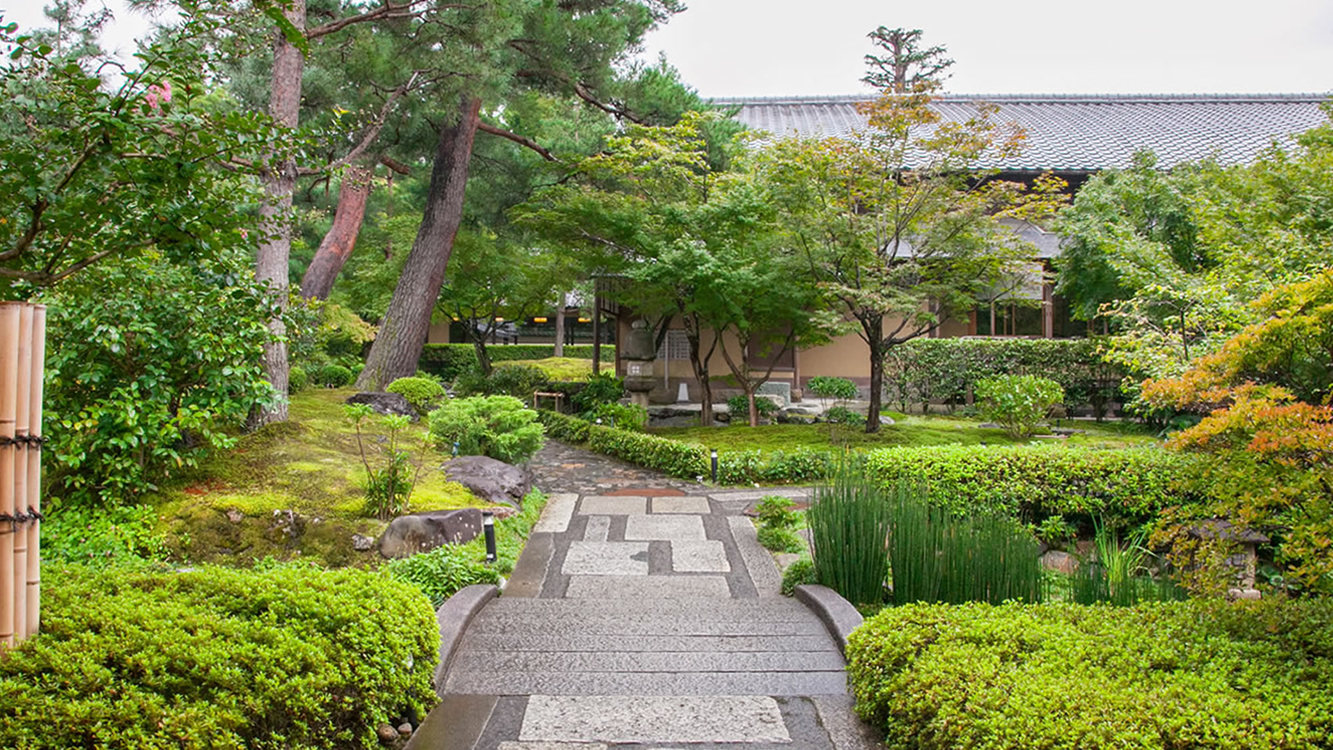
[22, 355]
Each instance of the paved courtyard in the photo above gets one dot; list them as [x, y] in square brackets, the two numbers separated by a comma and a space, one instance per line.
[642, 614]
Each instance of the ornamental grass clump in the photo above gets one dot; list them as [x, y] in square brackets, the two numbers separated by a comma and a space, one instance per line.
[938, 556]
[849, 528]
[1119, 574]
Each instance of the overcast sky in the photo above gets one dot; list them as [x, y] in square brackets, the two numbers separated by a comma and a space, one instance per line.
[792, 47]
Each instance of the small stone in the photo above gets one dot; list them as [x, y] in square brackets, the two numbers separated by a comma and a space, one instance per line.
[886, 421]
[405, 729]
[362, 543]
[387, 734]
[235, 516]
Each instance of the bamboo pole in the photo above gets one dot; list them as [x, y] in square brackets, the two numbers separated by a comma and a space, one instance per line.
[34, 582]
[22, 409]
[9, 355]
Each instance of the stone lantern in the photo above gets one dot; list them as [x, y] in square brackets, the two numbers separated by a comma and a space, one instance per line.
[638, 353]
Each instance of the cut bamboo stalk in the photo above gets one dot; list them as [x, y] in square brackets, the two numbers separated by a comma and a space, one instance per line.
[9, 355]
[22, 409]
[34, 583]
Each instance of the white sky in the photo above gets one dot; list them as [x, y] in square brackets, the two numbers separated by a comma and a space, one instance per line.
[790, 47]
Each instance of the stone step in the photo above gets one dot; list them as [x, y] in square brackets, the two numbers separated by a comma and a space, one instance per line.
[645, 683]
[785, 608]
[517, 625]
[477, 660]
[651, 719]
[569, 642]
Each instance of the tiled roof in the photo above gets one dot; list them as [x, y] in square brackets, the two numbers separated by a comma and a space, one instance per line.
[1080, 133]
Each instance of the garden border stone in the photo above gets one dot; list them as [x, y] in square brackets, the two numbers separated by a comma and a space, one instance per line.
[837, 614]
[453, 618]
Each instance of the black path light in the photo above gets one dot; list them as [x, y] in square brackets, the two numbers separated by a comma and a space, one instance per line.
[488, 528]
[714, 457]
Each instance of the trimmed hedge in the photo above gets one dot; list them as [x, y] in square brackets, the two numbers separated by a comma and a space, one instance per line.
[925, 371]
[448, 361]
[564, 427]
[1132, 484]
[1200, 674]
[776, 467]
[218, 658]
[681, 460]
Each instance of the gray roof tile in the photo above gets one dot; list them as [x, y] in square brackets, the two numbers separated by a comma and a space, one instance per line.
[1080, 133]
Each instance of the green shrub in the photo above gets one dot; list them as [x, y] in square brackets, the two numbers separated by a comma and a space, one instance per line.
[831, 389]
[843, 415]
[448, 361]
[334, 376]
[1128, 485]
[602, 388]
[564, 427]
[441, 572]
[622, 416]
[297, 379]
[497, 426]
[424, 394]
[99, 537]
[1199, 674]
[681, 460]
[800, 465]
[937, 556]
[799, 573]
[519, 381]
[1018, 402]
[848, 520]
[740, 467]
[780, 539]
[389, 485]
[776, 511]
[925, 371]
[295, 658]
[739, 407]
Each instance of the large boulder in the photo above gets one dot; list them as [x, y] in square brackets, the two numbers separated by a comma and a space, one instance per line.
[384, 403]
[491, 480]
[420, 532]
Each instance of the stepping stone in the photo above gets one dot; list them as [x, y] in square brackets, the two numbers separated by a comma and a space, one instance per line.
[667, 719]
[670, 528]
[646, 587]
[606, 505]
[557, 514]
[598, 529]
[699, 557]
[696, 505]
[606, 558]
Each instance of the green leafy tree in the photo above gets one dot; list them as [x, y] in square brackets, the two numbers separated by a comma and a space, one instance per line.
[898, 223]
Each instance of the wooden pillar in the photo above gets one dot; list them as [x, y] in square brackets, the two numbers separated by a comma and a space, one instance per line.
[1047, 310]
[596, 332]
[9, 356]
[38, 361]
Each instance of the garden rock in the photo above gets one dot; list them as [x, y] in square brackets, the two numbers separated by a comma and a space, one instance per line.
[362, 543]
[422, 532]
[1062, 562]
[384, 403]
[491, 480]
[886, 421]
[794, 416]
[387, 734]
[235, 516]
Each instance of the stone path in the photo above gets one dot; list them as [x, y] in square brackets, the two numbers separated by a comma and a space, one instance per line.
[643, 614]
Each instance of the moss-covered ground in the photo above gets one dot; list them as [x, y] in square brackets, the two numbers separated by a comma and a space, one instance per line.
[907, 430]
[233, 508]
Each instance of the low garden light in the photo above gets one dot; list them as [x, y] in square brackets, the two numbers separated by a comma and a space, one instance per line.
[488, 528]
[713, 455]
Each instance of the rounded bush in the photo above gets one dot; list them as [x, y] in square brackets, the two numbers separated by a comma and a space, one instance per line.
[497, 426]
[739, 407]
[334, 376]
[621, 416]
[423, 394]
[297, 379]
[828, 387]
[296, 657]
[1018, 402]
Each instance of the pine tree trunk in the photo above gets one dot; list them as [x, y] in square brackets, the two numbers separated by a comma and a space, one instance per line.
[336, 247]
[279, 183]
[397, 348]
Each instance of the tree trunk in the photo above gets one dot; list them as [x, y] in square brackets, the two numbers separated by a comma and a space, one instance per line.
[284, 106]
[397, 348]
[699, 362]
[560, 326]
[874, 329]
[479, 346]
[336, 247]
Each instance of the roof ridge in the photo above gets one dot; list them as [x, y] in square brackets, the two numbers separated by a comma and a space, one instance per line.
[1057, 98]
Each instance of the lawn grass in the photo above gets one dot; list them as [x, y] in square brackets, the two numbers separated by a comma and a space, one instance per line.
[309, 465]
[907, 430]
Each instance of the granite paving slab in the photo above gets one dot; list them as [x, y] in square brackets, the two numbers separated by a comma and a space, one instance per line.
[609, 505]
[675, 719]
[641, 587]
[556, 515]
[669, 527]
[606, 558]
[707, 556]
[686, 504]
